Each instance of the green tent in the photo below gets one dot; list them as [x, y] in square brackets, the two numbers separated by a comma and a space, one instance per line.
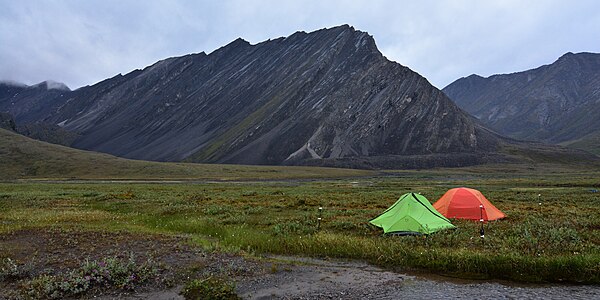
[412, 214]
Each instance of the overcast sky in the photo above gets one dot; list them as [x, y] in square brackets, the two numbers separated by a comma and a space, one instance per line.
[83, 42]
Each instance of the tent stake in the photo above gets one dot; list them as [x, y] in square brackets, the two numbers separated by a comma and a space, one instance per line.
[319, 218]
[481, 231]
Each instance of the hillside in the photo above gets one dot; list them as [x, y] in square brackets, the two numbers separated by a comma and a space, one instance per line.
[327, 97]
[590, 142]
[7, 122]
[28, 104]
[556, 103]
[22, 157]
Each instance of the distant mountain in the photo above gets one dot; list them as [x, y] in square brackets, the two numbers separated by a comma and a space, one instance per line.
[26, 106]
[326, 97]
[29, 104]
[556, 103]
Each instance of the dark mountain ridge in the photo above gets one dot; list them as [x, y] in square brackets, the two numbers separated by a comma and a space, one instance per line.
[323, 98]
[31, 103]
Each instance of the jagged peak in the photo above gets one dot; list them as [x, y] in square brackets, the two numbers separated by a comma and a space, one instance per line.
[279, 39]
[471, 79]
[362, 39]
[343, 27]
[237, 43]
[48, 84]
[52, 85]
[474, 76]
[240, 40]
[569, 56]
[566, 55]
[12, 83]
[340, 29]
[367, 40]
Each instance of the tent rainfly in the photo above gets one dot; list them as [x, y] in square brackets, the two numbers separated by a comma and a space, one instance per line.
[412, 214]
[466, 203]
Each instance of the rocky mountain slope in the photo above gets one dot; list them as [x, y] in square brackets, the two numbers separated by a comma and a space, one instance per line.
[556, 103]
[29, 104]
[328, 98]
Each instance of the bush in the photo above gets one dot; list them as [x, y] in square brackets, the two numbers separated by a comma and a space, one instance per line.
[210, 288]
[110, 272]
[10, 270]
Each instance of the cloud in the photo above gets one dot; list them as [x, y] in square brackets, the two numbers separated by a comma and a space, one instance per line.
[83, 42]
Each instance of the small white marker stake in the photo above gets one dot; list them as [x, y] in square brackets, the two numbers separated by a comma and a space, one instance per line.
[319, 218]
[481, 231]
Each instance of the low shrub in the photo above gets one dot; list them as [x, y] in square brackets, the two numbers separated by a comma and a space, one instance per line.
[294, 227]
[210, 288]
[105, 273]
[10, 270]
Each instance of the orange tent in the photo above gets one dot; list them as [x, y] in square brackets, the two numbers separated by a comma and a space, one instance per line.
[465, 203]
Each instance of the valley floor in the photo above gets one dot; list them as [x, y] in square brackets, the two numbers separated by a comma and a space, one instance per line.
[141, 239]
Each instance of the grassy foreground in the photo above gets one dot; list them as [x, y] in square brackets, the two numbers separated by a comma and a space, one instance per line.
[552, 233]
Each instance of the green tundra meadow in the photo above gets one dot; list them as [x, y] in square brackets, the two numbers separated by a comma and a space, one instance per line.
[551, 233]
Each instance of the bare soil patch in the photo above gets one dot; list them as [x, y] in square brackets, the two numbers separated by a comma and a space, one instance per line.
[58, 251]
[65, 249]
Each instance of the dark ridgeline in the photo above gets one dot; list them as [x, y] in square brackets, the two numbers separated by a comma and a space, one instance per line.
[554, 103]
[29, 104]
[327, 98]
